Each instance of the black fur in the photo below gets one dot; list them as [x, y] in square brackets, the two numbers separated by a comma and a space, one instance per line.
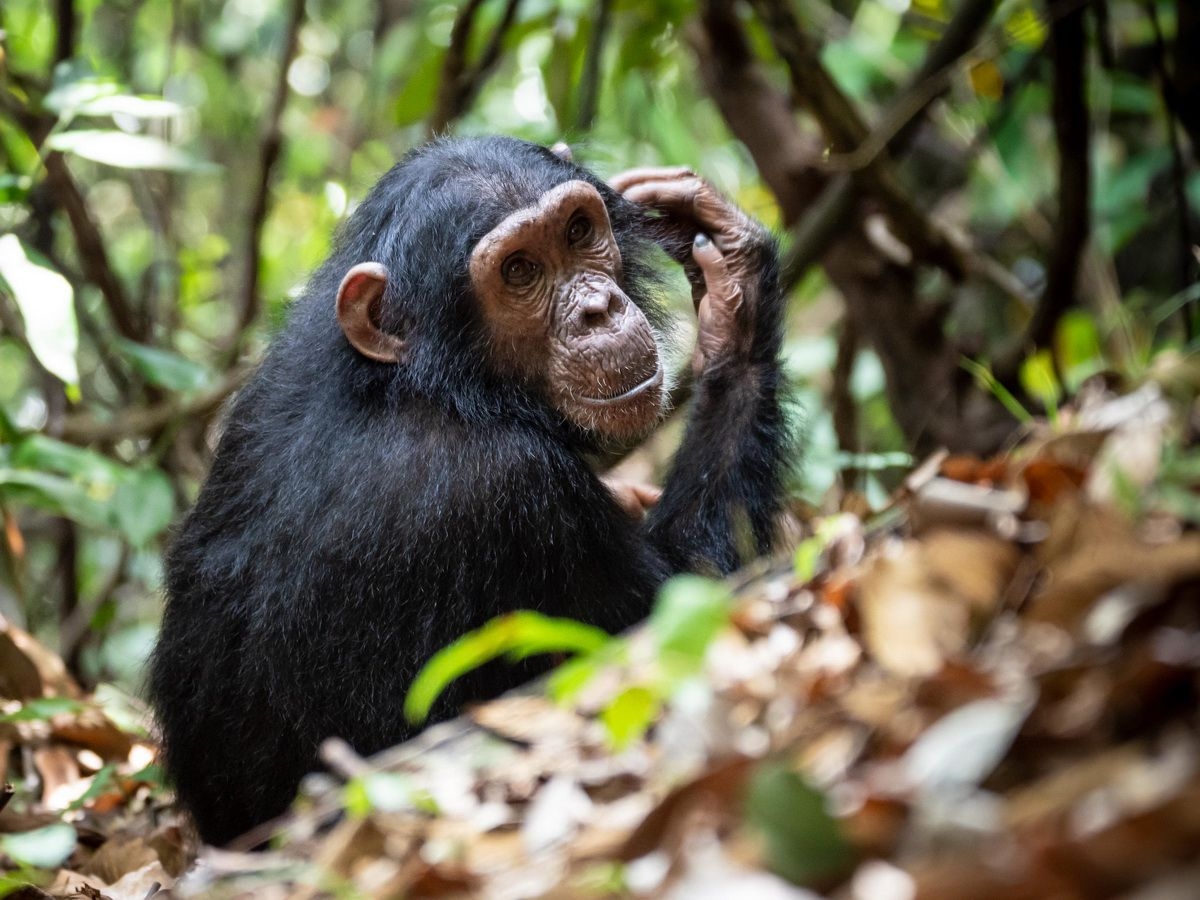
[360, 516]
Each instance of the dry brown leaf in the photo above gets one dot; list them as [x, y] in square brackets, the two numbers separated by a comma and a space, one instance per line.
[911, 623]
[61, 780]
[721, 786]
[27, 669]
[140, 884]
[1049, 480]
[975, 565]
[116, 858]
[92, 729]
[973, 470]
[445, 880]
[1091, 551]
[174, 848]
[351, 840]
[529, 720]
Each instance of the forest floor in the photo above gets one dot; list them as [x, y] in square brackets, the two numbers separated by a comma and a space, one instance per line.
[989, 689]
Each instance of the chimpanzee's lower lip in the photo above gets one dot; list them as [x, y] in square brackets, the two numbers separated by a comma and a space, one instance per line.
[649, 384]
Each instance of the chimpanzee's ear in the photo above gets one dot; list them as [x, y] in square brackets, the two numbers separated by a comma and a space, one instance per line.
[563, 151]
[358, 305]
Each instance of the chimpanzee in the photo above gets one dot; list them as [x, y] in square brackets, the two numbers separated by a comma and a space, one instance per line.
[411, 458]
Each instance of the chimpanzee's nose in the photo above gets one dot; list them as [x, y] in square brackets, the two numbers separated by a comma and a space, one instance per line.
[600, 306]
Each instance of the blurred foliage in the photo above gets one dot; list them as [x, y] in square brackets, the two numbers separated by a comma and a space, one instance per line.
[159, 111]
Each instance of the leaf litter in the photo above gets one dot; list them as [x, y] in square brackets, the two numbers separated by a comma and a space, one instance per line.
[989, 690]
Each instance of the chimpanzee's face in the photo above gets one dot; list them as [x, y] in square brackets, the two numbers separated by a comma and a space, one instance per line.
[548, 280]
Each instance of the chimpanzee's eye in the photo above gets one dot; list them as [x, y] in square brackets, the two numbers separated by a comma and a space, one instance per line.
[579, 230]
[519, 271]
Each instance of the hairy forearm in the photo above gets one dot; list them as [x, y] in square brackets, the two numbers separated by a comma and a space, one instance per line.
[725, 486]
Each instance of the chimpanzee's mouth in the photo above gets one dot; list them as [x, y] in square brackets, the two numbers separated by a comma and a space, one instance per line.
[654, 381]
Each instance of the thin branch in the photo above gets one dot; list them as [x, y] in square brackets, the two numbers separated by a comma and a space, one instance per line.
[929, 401]
[1187, 68]
[454, 69]
[589, 83]
[140, 421]
[844, 409]
[93, 254]
[1187, 260]
[845, 129]
[271, 143]
[1068, 46]
[905, 114]
[66, 25]
[460, 82]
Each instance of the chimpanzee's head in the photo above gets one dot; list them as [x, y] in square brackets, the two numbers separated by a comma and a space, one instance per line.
[504, 261]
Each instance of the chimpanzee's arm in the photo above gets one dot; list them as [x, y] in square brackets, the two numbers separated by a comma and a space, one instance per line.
[725, 485]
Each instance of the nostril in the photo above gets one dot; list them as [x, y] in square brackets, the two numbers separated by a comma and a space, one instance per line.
[601, 308]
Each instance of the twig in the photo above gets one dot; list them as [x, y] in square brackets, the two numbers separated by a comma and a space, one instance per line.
[589, 84]
[139, 421]
[845, 411]
[922, 381]
[93, 255]
[1068, 53]
[846, 129]
[270, 146]
[1187, 261]
[904, 115]
[65, 28]
[1187, 68]
[833, 209]
[461, 82]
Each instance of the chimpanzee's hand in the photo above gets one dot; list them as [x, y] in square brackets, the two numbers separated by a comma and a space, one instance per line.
[726, 255]
[634, 497]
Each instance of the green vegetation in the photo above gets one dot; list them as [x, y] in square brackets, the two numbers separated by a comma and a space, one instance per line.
[1000, 190]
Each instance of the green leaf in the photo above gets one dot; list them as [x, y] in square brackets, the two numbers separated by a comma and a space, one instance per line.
[127, 151]
[43, 848]
[55, 494]
[36, 451]
[689, 613]
[517, 635]
[90, 488]
[101, 782]
[45, 300]
[1039, 380]
[571, 677]
[415, 99]
[628, 716]
[803, 841]
[14, 188]
[144, 505]
[164, 368]
[42, 708]
[986, 380]
[130, 105]
[69, 96]
[1025, 26]
[1077, 348]
[808, 554]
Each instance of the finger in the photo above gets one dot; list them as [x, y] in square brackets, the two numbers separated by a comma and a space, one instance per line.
[632, 497]
[648, 495]
[722, 286]
[622, 181]
[676, 197]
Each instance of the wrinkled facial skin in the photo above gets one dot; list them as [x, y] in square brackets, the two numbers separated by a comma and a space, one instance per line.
[548, 278]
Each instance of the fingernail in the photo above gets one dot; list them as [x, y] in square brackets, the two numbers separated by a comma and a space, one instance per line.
[702, 240]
